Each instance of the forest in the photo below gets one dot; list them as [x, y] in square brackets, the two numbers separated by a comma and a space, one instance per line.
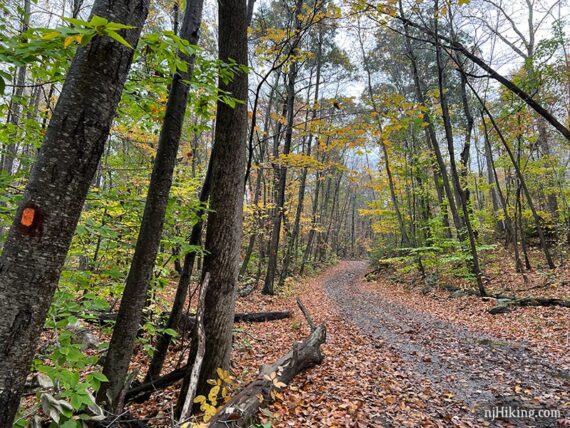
[284, 213]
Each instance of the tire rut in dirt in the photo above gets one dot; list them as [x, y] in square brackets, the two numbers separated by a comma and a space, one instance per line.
[478, 369]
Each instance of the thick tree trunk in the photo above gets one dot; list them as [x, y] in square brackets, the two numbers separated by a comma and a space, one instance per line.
[224, 232]
[134, 296]
[41, 233]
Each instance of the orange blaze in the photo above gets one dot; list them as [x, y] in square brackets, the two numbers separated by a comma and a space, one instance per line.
[28, 216]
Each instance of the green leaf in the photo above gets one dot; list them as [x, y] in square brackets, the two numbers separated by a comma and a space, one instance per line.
[70, 424]
[170, 332]
[76, 22]
[98, 21]
[118, 38]
[118, 26]
[100, 377]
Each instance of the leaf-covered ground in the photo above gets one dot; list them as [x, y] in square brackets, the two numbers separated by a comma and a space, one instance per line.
[401, 357]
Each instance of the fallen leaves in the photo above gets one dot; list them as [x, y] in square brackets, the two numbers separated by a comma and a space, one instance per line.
[365, 380]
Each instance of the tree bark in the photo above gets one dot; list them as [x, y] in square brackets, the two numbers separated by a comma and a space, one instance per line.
[177, 310]
[134, 295]
[224, 231]
[45, 222]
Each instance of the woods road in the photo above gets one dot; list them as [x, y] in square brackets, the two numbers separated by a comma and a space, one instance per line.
[478, 369]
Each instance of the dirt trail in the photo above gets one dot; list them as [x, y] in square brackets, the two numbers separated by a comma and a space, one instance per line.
[478, 370]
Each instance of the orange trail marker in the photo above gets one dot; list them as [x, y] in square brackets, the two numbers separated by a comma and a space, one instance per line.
[27, 217]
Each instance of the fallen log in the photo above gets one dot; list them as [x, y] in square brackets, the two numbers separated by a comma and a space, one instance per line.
[505, 304]
[162, 382]
[242, 408]
[240, 411]
[541, 301]
[507, 301]
[171, 378]
[187, 321]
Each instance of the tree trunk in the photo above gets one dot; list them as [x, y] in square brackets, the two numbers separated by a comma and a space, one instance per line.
[134, 295]
[474, 263]
[314, 219]
[41, 233]
[282, 182]
[430, 132]
[15, 107]
[258, 181]
[303, 182]
[405, 240]
[224, 232]
[176, 313]
[522, 181]
[497, 193]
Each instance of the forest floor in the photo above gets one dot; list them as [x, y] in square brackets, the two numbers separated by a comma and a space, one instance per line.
[399, 357]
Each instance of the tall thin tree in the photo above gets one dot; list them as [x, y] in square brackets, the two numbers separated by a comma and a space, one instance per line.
[134, 296]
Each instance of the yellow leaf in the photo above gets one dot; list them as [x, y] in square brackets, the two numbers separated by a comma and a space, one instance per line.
[200, 399]
[213, 395]
[51, 35]
[68, 40]
[224, 375]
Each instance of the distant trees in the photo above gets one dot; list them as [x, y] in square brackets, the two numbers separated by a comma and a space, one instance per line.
[449, 96]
